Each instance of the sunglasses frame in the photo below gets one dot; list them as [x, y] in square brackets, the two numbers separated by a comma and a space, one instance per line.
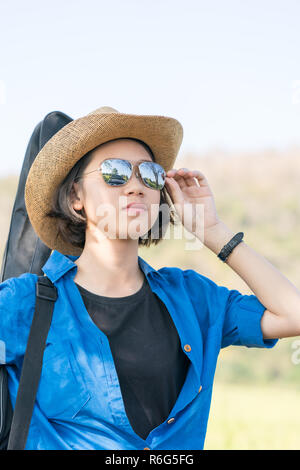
[133, 165]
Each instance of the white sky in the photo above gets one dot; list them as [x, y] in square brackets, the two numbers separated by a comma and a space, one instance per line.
[228, 70]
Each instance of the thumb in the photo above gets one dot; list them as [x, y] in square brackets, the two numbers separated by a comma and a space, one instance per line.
[175, 193]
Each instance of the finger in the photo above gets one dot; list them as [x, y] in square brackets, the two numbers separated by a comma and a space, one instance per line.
[201, 178]
[174, 190]
[198, 175]
[185, 178]
[173, 174]
[189, 176]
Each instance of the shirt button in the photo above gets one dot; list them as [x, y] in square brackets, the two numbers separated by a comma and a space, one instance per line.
[200, 388]
[187, 348]
[146, 448]
[171, 420]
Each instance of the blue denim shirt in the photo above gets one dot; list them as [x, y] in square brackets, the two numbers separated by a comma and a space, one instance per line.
[79, 403]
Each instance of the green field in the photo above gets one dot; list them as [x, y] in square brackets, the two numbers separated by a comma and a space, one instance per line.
[256, 396]
[254, 416]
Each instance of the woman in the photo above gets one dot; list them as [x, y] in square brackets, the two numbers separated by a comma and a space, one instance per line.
[131, 352]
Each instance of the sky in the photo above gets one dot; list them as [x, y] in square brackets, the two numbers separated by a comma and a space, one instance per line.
[229, 71]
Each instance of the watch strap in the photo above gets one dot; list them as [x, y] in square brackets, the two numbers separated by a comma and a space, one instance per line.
[227, 249]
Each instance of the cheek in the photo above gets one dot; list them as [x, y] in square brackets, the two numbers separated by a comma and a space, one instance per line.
[96, 202]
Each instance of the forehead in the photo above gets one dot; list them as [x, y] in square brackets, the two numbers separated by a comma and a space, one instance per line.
[121, 148]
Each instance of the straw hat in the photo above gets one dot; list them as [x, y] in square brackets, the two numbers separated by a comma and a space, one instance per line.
[54, 161]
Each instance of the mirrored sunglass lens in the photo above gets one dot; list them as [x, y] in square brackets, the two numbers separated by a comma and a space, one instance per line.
[153, 175]
[116, 172]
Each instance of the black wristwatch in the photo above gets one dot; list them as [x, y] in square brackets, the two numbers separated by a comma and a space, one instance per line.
[227, 249]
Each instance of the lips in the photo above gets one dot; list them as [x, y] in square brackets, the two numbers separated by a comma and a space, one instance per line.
[136, 205]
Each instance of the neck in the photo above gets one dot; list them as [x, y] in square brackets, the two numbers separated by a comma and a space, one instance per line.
[109, 266]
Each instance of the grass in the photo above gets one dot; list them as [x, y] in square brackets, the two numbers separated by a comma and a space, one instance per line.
[254, 417]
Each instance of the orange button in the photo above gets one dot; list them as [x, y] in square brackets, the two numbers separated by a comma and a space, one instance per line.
[171, 420]
[200, 388]
[146, 448]
[187, 348]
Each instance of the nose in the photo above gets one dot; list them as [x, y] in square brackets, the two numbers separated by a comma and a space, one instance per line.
[135, 184]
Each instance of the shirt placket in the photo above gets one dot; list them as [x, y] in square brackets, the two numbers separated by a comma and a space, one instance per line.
[192, 385]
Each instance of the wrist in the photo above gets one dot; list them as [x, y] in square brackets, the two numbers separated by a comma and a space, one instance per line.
[217, 236]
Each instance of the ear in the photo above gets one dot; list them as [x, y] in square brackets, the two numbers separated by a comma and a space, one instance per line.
[75, 195]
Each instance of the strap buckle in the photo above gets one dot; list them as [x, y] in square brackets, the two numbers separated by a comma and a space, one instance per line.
[45, 289]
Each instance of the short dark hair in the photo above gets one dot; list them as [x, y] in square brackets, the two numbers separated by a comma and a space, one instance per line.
[72, 223]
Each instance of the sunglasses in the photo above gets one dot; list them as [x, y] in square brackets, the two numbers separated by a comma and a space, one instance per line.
[117, 172]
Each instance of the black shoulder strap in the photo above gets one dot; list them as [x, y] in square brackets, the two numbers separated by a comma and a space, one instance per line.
[46, 295]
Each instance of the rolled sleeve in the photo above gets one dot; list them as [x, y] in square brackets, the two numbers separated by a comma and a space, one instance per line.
[242, 322]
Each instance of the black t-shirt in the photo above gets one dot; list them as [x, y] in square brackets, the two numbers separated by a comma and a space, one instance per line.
[147, 353]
